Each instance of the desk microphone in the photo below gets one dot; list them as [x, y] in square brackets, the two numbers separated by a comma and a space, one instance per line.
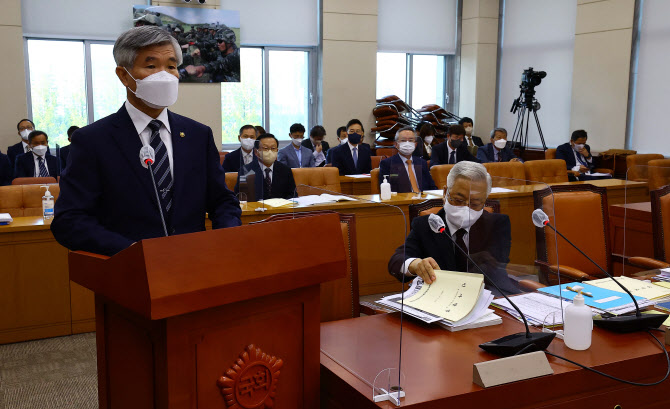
[147, 158]
[511, 344]
[627, 323]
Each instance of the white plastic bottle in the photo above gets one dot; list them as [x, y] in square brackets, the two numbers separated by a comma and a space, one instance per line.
[385, 189]
[578, 326]
[47, 204]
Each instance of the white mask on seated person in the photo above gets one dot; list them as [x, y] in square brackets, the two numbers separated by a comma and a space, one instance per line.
[158, 90]
[578, 147]
[344, 141]
[40, 150]
[462, 216]
[247, 143]
[24, 134]
[500, 143]
[268, 157]
[296, 141]
[406, 148]
[428, 139]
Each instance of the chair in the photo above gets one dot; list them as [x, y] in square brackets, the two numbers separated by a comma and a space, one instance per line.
[387, 152]
[231, 180]
[550, 154]
[659, 173]
[506, 173]
[221, 156]
[374, 181]
[660, 218]
[34, 181]
[24, 200]
[439, 174]
[339, 298]
[636, 166]
[376, 159]
[546, 171]
[590, 232]
[434, 205]
[324, 178]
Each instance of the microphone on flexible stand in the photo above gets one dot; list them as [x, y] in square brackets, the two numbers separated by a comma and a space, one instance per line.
[148, 157]
[511, 344]
[626, 323]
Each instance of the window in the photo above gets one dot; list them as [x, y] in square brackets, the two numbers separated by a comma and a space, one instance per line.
[418, 79]
[275, 92]
[62, 95]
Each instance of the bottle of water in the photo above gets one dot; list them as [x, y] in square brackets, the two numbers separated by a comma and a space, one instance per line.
[47, 204]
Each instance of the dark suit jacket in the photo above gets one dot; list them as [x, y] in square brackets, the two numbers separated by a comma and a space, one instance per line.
[107, 200]
[6, 171]
[16, 150]
[64, 153]
[283, 185]
[400, 183]
[24, 165]
[485, 153]
[476, 140]
[565, 152]
[340, 157]
[233, 160]
[440, 154]
[490, 240]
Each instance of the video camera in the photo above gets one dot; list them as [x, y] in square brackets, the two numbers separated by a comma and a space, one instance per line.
[530, 79]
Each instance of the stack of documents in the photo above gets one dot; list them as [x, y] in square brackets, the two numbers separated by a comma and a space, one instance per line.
[539, 309]
[5, 218]
[601, 299]
[454, 301]
[277, 202]
[321, 199]
[664, 275]
[652, 292]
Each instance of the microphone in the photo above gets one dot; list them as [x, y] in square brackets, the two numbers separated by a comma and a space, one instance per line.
[147, 158]
[624, 324]
[510, 344]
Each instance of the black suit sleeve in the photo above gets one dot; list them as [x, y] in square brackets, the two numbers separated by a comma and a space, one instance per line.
[561, 154]
[337, 158]
[6, 171]
[413, 248]
[222, 205]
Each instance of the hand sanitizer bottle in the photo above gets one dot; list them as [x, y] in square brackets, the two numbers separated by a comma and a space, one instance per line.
[578, 325]
[47, 204]
[385, 189]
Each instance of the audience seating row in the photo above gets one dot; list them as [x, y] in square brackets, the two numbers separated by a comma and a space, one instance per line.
[24, 200]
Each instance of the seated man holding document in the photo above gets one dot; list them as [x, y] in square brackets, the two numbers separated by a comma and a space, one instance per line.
[485, 236]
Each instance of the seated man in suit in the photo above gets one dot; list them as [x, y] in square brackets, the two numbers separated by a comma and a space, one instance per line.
[498, 150]
[453, 150]
[107, 199]
[406, 173]
[65, 150]
[353, 157]
[342, 138]
[243, 155]
[317, 145]
[6, 171]
[24, 128]
[295, 155]
[474, 142]
[37, 162]
[577, 156]
[272, 179]
[485, 236]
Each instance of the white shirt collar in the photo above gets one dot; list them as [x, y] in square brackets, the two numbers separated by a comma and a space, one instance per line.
[453, 228]
[263, 167]
[351, 147]
[404, 159]
[24, 144]
[141, 120]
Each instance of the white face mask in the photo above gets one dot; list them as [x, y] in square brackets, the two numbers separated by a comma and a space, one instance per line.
[343, 141]
[158, 90]
[468, 130]
[268, 157]
[40, 150]
[500, 143]
[578, 147]
[428, 139]
[406, 148]
[24, 134]
[247, 143]
[296, 141]
[461, 216]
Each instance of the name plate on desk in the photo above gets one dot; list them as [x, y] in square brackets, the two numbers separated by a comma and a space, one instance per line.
[511, 369]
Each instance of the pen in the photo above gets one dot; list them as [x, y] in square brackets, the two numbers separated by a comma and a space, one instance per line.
[583, 292]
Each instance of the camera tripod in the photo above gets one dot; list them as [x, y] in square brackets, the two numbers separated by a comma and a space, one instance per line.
[523, 106]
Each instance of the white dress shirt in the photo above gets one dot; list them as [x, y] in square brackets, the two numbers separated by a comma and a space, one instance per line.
[141, 122]
[577, 155]
[319, 157]
[247, 157]
[37, 164]
[26, 148]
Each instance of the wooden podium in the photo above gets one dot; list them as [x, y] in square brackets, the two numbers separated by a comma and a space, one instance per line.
[218, 319]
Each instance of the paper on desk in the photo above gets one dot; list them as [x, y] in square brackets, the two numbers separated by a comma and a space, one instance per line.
[666, 322]
[5, 218]
[598, 174]
[361, 176]
[636, 287]
[437, 192]
[501, 190]
[277, 202]
[323, 198]
[452, 296]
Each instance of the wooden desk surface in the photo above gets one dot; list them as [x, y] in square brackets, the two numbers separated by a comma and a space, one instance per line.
[438, 366]
[21, 224]
[638, 207]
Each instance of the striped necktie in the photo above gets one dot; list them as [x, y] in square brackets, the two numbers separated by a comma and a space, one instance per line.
[161, 167]
[43, 169]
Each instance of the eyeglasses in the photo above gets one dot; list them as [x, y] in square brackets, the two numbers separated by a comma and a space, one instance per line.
[358, 132]
[476, 205]
[220, 41]
[266, 149]
[23, 128]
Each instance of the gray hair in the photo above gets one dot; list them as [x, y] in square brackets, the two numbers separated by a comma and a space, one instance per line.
[403, 129]
[476, 172]
[503, 130]
[130, 42]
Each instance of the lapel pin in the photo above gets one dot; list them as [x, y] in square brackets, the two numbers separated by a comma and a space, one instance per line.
[181, 134]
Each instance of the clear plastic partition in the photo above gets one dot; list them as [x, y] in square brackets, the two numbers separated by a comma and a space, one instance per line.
[639, 222]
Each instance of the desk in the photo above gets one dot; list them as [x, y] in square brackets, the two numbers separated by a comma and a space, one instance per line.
[438, 368]
[38, 300]
[355, 186]
[639, 237]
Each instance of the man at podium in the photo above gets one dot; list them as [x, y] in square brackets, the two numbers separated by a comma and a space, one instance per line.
[108, 199]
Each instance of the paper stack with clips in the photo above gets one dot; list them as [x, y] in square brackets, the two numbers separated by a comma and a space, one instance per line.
[455, 301]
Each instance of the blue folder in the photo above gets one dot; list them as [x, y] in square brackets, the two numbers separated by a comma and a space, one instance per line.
[597, 292]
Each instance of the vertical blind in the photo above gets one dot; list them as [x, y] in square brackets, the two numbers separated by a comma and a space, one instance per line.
[417, 26]
[538, 34]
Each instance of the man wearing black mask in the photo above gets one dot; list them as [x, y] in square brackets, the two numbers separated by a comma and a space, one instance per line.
[353, 157]
[453, 150]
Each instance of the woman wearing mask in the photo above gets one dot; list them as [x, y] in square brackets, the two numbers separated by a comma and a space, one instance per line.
[427, 134]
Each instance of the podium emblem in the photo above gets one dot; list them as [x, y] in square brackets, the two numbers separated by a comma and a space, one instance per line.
[251, 382]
